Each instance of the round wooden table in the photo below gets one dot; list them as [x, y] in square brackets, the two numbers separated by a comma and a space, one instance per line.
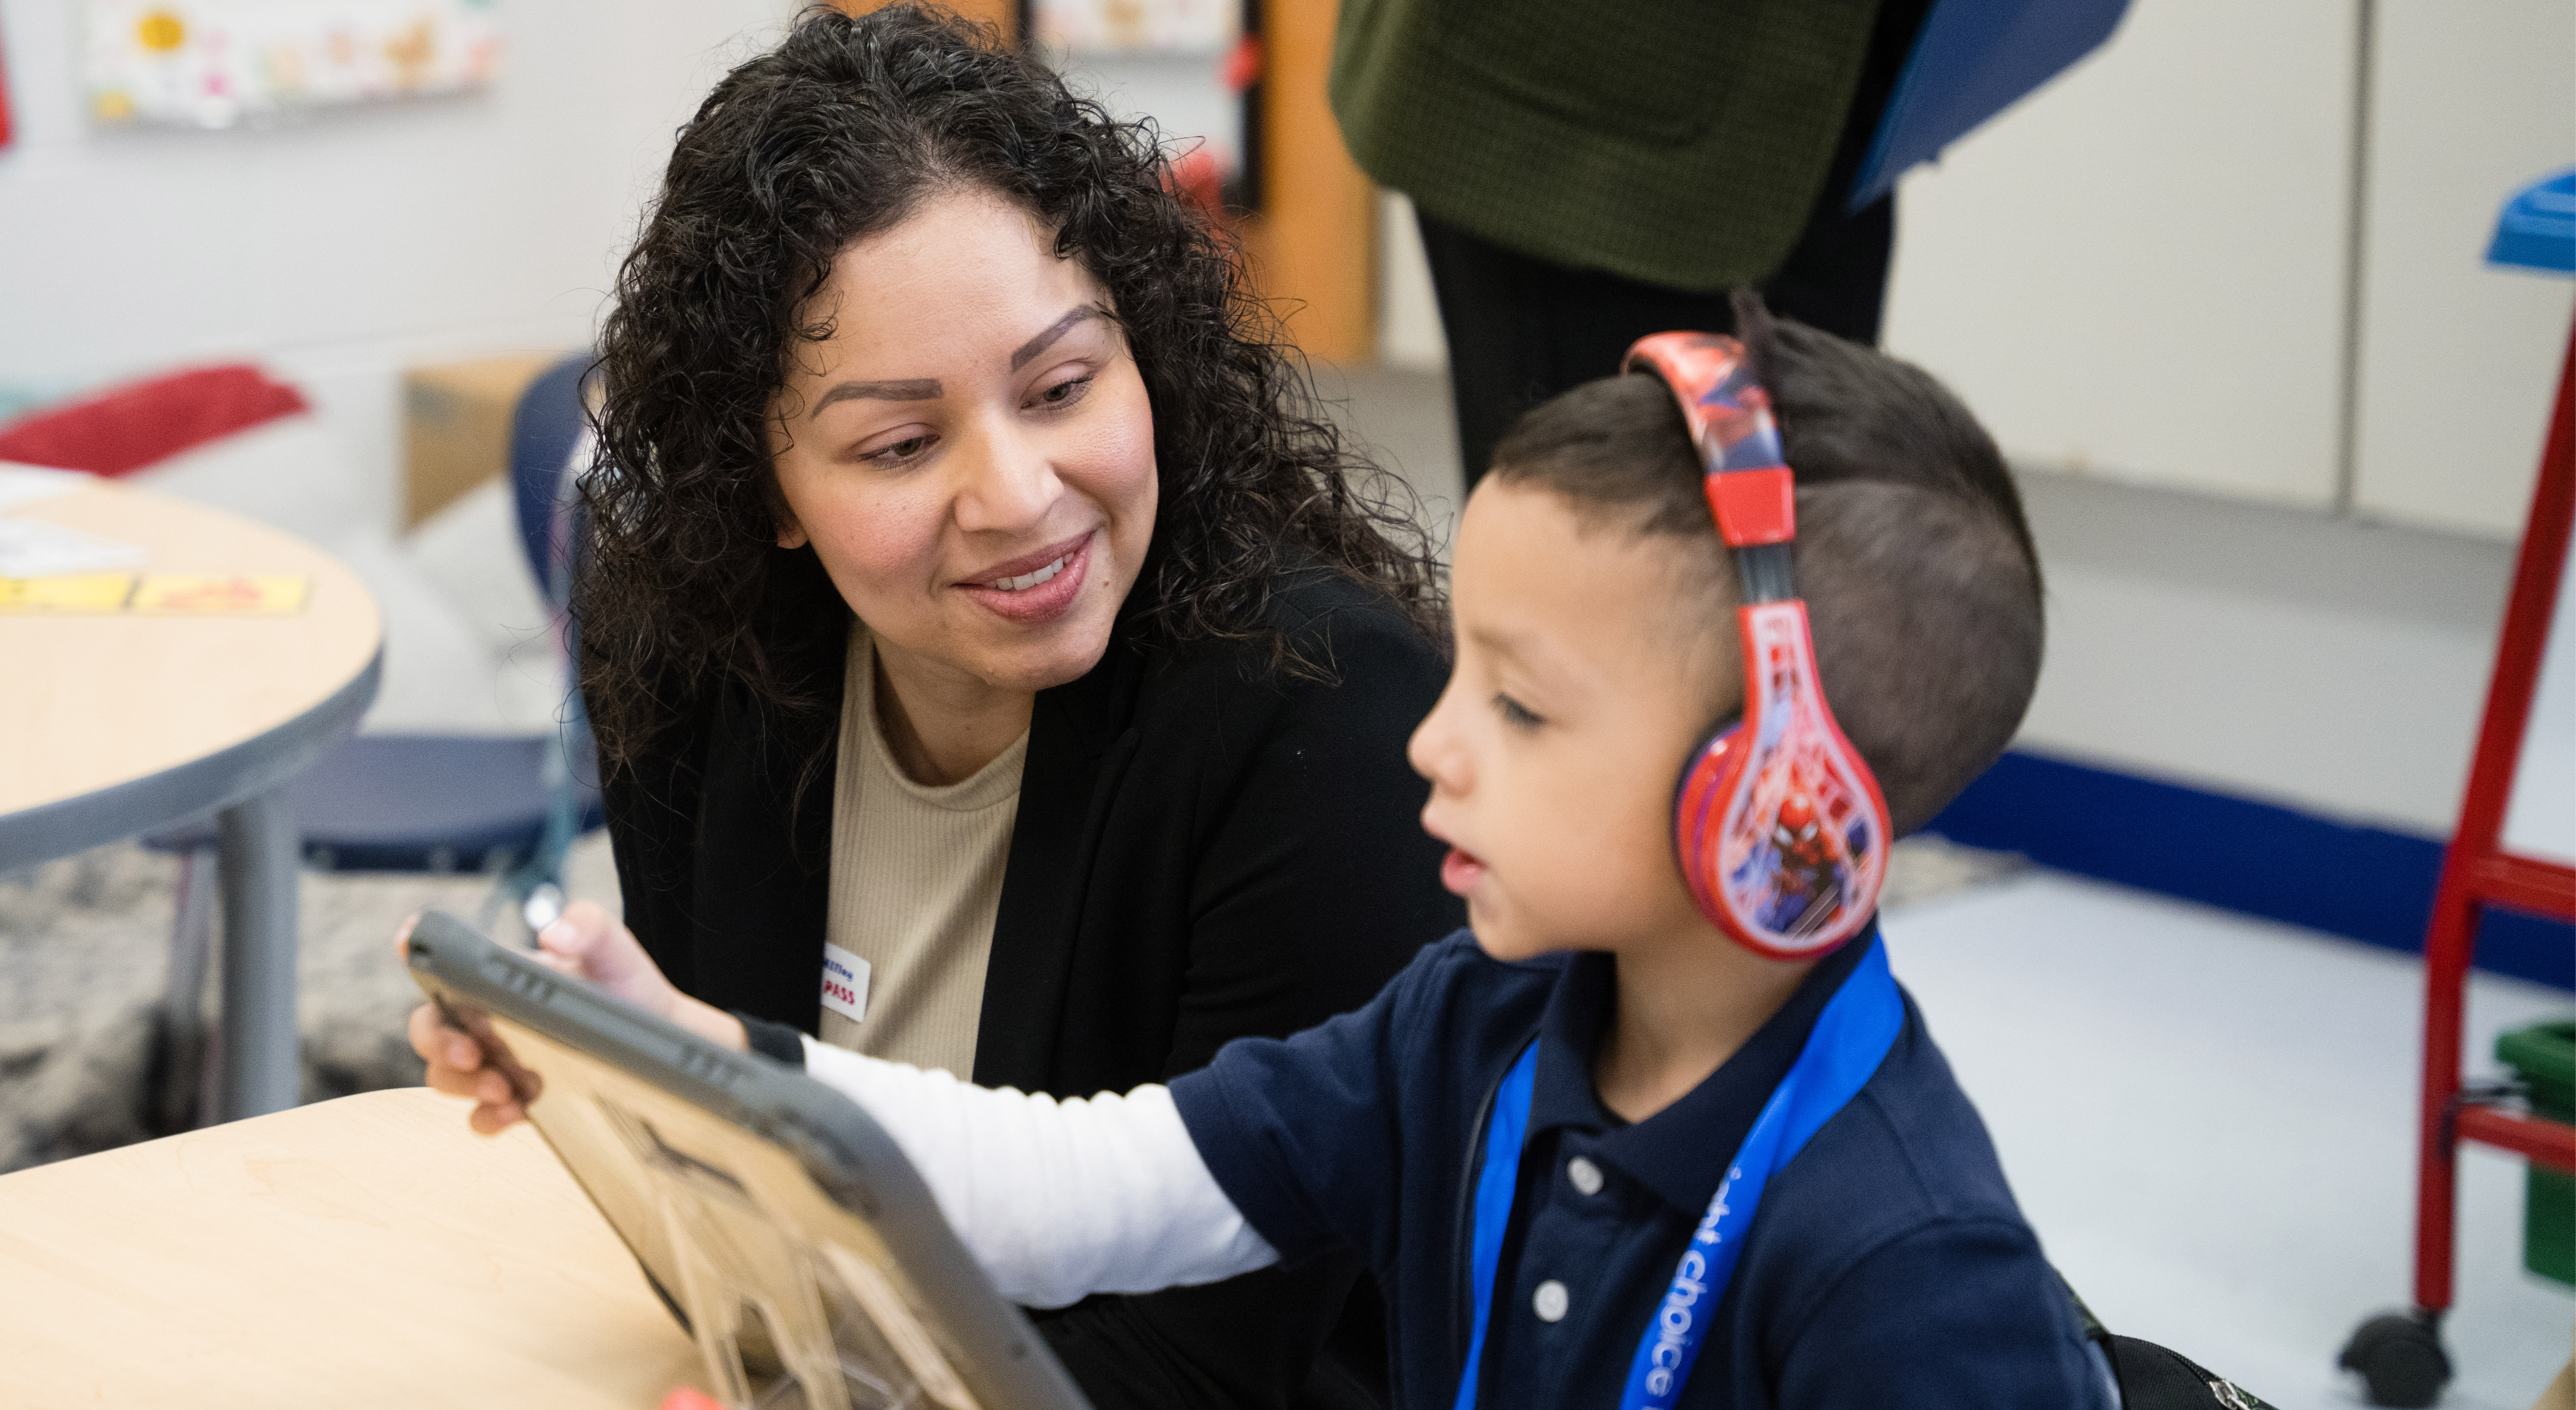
[364, 1251]
[114, 724]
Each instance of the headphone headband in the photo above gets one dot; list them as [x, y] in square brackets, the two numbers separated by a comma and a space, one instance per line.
[1750, 490]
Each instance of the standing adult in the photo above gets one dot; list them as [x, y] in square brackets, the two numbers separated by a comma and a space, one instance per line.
[997, 665]
[1584, 177]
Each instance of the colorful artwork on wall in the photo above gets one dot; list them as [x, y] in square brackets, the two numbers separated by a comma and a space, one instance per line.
[214, 63]
[1138, 26]
[4, 97]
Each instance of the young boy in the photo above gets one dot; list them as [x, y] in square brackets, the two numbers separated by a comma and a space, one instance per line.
[1887, 1264]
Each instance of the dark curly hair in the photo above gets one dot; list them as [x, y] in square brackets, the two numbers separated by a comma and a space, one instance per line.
[837, 134]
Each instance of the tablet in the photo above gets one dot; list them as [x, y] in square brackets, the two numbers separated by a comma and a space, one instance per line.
[777, 1221]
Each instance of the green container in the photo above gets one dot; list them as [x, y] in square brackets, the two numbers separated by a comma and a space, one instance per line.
[2544, 1057]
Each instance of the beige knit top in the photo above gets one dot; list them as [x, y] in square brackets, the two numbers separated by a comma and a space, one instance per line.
[916, 882]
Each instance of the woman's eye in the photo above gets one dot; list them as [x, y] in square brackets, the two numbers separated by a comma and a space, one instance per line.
[1064, 393]
[1517, 715]
[910, 447]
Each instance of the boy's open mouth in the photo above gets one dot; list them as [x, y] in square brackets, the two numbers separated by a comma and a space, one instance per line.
[1460, 871]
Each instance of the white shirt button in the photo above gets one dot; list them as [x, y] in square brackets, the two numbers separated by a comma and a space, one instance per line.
[1549, 1301]
[1585, 1175]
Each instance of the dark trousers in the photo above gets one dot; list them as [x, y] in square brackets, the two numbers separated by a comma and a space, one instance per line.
[1522, 330]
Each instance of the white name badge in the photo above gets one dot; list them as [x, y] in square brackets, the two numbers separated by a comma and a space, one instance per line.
[845, 983]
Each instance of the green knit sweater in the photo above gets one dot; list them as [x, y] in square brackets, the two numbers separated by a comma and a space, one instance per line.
[1679, 142]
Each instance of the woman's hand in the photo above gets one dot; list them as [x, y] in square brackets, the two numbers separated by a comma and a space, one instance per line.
[586, 943]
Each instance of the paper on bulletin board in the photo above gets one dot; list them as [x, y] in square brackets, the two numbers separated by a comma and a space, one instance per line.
[86, 593]
[219, 594]
[214, 63]
[38, 548]
[1138, 26]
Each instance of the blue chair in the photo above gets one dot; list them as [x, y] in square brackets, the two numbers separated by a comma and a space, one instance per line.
[504, 806]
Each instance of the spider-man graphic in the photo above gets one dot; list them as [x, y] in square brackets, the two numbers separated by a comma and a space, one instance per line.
[1810, 874]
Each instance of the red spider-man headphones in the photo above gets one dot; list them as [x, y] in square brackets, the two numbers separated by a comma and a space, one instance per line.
[1782, 832]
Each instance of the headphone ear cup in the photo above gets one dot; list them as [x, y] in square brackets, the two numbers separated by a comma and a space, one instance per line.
[1788, 842]
[1699, 800]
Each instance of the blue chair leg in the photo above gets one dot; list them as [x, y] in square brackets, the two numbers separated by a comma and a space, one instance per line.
[181, 1096]
[536, 887]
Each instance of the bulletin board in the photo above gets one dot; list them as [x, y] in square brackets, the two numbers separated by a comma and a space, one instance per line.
[216, 63]
[1138, 26]
[1191, 66]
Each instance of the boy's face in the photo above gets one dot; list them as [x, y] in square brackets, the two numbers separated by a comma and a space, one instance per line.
[1588, 662]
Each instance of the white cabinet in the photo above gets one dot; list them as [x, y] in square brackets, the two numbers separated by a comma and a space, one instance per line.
[2459, 358]
[2143, 270]
[2138, 271]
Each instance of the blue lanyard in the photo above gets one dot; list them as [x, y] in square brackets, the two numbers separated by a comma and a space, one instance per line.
[1850, 1039]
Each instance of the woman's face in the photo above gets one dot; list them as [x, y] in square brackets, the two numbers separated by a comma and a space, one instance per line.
[971, 453]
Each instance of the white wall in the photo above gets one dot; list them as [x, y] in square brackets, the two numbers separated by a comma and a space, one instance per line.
[2328, 664]
[342, 248]
[1408, 308]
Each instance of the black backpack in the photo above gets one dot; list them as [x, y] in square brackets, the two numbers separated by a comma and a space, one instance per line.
[2151, 1377]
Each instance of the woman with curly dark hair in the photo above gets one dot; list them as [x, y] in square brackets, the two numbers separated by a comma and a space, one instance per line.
[997, 664]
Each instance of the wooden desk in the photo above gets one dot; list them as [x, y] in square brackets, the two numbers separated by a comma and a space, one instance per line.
[364, 1252]
[111, 725]
[124, 697]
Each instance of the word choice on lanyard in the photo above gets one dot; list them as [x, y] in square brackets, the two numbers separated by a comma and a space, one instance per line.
[1850, 1039]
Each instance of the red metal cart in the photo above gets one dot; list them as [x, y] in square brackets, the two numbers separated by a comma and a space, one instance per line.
[2400, 1355]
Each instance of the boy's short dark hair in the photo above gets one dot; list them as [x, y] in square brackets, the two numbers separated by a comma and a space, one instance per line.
[1922, 586]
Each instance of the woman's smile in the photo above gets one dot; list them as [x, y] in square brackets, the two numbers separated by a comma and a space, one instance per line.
[1036, 588]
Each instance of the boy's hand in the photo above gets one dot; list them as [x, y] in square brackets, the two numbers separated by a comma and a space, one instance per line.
[586, 943]
[456, 1067]
[456, 1061]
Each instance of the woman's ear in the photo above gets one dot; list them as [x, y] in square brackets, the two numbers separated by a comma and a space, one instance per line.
[782, 515]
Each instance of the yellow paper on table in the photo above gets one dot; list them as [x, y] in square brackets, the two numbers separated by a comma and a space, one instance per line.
[220, 594]
[66, 592]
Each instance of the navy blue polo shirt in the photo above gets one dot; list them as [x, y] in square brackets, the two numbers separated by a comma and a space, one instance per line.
[1887, 1265]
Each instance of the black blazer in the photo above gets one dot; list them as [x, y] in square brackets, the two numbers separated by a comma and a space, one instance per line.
[1207, 846]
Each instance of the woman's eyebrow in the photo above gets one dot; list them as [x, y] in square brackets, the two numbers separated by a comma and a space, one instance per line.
[927, 388]
[1046, 340]
[918, 389]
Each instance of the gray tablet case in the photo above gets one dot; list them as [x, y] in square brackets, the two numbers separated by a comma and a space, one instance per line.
[774, 1217]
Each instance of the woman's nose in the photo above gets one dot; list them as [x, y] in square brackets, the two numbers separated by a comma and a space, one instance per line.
[1008, 484]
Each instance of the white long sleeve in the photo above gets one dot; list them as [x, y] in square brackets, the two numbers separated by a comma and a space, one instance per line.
[1057, 1200]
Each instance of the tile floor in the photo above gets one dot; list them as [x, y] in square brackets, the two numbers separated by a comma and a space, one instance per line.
[2209, 1119]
